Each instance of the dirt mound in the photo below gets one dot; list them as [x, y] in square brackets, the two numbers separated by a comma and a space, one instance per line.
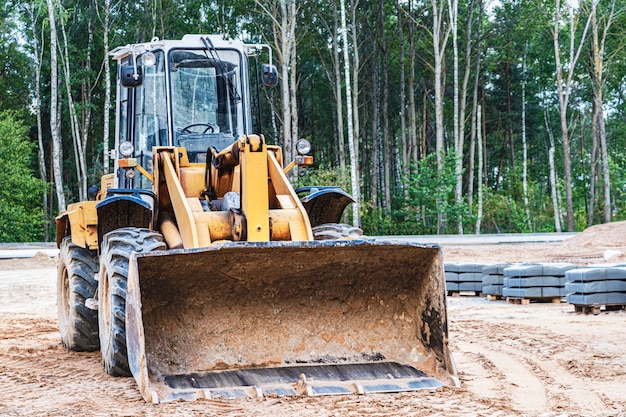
[39, 261]
[601, 235]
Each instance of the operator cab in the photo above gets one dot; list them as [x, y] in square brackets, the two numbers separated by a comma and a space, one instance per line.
[191, 93]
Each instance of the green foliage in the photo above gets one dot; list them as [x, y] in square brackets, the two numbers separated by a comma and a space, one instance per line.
[325, 176]
[416, 212]
[502, 214]
[509, 32]
[20, 209]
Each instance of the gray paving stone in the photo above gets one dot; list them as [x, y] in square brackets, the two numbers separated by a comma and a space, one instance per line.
[452, 276]
[471, 277]
[493, 279]
[586, 274]
[542, 281]
[470, 286]
[592, 287]
[610, 298]
[523, 270]
[557, 269]
[452, 286]
[534, 292]
[492, 289]
[497, 269]
[470, 267]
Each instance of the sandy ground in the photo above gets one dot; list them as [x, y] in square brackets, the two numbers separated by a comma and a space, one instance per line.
[513, 360]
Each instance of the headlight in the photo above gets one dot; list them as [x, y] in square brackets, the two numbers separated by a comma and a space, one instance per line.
[303, 146]
[148, 59]
[126, 148]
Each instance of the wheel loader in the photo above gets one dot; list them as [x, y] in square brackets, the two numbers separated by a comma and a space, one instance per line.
[197, 268]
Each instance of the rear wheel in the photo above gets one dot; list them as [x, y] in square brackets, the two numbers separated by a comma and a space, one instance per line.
[76, 283]
[335, 231]
[117, 246]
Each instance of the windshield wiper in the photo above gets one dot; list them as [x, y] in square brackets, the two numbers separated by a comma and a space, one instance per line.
[219, 66]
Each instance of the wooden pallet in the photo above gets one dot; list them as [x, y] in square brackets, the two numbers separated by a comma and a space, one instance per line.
[596, 309]
[493, 297]
[526, 301]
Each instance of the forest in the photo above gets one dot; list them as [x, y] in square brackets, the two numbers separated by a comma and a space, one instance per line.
[438, 116]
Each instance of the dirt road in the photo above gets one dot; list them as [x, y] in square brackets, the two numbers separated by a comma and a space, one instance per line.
[513, 360]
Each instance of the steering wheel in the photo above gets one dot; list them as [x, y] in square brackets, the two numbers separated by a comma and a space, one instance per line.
[208, 128]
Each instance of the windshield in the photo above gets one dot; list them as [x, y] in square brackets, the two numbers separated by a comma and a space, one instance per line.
[206, 99]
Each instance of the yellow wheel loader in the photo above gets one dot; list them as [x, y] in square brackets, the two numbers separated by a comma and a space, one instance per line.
[199, 270]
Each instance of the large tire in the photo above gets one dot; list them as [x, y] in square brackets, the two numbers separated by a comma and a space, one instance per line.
[335, 231]
[76, 283]
[116, 249]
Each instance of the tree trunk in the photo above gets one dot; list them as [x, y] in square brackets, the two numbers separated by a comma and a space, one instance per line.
[593, 166]
[338, 94]
[55, 121]
[79, 149]
[413, 140]
[564, 89]
[440, 38]
[524, 145]
[107, 89]
[387, 149]
[553, 188]
[406, 152]
[352, 138]
[285, 59]
[475, 125]
[41, 157]
[457, 118]
[479, 136]
[293, 84]
[598, 85]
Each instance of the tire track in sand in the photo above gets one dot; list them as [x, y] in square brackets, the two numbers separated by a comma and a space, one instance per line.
[526, 390]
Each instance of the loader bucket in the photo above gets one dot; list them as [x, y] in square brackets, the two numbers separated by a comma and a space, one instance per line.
[287, 318]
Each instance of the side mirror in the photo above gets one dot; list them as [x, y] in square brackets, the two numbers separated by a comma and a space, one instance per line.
[269, 75]
[129, 77]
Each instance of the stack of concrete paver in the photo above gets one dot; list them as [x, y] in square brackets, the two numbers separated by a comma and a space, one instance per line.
[535, 281]
[596, 287]
[464, 278]
[493, 280]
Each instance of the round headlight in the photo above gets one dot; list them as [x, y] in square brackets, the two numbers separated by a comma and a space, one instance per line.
[303, 146]
[148, 59]
[126, 148]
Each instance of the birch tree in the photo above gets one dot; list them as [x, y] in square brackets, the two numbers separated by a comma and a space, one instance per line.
[283, 15]
[55, 119]
[564, 86]
[553, 187]
[352, 139]
[597, 83]
[440, 35]
[79, 134]
[33, 18]
[479, 140]
[474, 125]
[461, 98]
[524, 144]
[107, 87]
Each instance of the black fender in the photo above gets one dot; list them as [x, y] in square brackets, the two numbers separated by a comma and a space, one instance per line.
[125, 208]
[324, 204]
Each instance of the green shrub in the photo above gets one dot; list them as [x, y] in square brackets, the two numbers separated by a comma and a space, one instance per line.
[21, 214]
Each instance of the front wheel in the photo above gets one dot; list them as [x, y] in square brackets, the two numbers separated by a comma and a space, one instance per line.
[117, 246]
[76, 283]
